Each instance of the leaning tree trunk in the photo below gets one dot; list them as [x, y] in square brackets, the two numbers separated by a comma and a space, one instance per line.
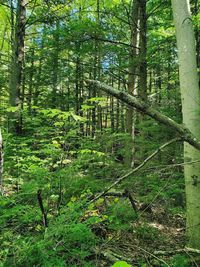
[190, 96]
[17, 67]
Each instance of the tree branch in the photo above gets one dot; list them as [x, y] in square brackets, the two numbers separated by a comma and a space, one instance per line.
[148, 110]
[135, 169]
[113, 42]
[176, 251]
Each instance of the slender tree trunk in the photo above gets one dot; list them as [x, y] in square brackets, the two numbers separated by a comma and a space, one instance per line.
[112, 116]
[159, 84]
[17, 66]
[96, 118]
[77, 75]
[118, 103]
[55, 64]
[122, 117]
[39, 71]
[30, 89]
[142, 87]
[143, 52]
[130, 114]
[132, 62]
[190, 96]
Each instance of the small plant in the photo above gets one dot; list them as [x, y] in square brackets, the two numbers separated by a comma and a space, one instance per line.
[180, 260]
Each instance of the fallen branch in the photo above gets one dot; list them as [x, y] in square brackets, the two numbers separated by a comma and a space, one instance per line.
[119, 180]
[172, 252]
[112, 256]
[145, 108]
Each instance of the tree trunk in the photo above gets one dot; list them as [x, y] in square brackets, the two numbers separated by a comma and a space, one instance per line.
[143, 52]
[190, 96]
[55, 62]
[30, 89]
[17, 67]
[132, 62]
[130, 116]
[39, 71]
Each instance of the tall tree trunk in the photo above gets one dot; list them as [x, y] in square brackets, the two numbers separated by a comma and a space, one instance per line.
[39, 71]
[130, 116]
[30, 89]
[190, 96]
[143, 51]
[142, 87]
[132, 61]
[55, 64]
[77, 75]
[17, 67]
[96, 74]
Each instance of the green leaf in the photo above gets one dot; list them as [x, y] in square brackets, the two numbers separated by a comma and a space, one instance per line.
[78, 118]
[12, 109]
[121, 264]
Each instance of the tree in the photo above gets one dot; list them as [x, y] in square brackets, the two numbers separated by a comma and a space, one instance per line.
[190, 96]
[17, 65]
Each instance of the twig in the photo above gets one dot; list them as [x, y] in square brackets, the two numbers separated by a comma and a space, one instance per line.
[153, 255]
[119, 180]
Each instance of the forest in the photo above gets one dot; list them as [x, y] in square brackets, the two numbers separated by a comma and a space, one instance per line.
[99, 133]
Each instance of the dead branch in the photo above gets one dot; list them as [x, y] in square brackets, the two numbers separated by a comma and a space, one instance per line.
[145, 108]
[119, 180]
[172, 252]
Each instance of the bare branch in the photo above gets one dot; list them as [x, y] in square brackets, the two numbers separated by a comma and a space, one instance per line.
[145, 108]
[119, 180]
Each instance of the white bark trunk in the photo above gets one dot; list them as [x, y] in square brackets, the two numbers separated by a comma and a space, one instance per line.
[190, 96]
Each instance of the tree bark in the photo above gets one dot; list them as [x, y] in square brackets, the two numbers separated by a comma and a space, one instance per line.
[132, 62]
[55, 62]
[30, 89]
[190, 97]
[17, 66]
[142, 92]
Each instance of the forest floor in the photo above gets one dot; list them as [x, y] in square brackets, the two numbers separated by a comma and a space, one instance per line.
[153, 238]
